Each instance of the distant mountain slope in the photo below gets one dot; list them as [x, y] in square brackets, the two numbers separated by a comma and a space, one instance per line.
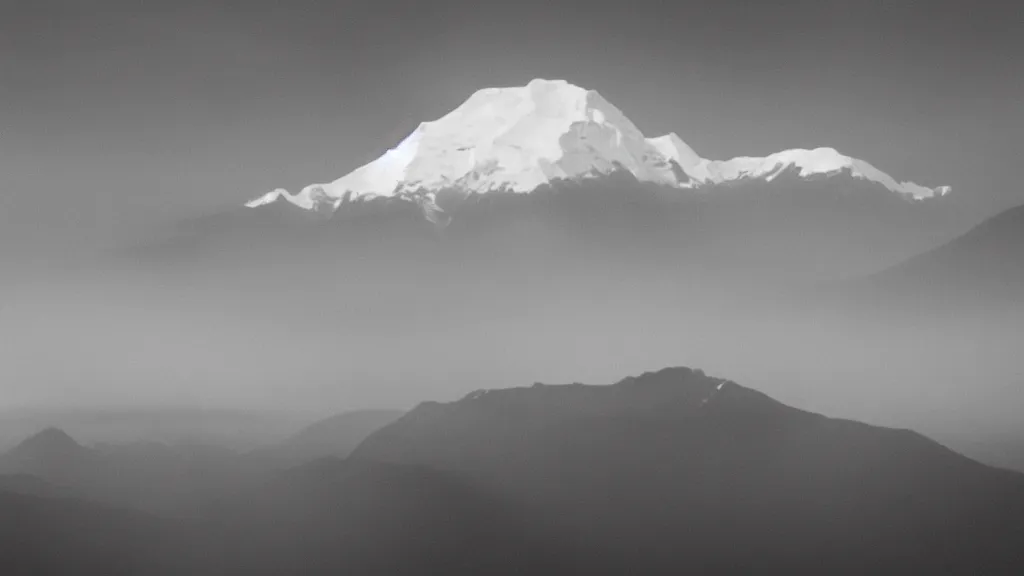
[678, 469]
[985, 263]
[336, 436]
[974, 280]
[51, 443]
[51, 455]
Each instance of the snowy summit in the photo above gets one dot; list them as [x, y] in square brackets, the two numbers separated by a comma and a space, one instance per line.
[521, 138]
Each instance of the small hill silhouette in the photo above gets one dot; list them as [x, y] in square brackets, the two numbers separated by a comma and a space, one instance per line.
[49, 443]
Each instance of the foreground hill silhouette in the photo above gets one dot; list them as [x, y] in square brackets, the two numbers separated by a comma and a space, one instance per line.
[678, 469]
[665, 473]
[330, 517]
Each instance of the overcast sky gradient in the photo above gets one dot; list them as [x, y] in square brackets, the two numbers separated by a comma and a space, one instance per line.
[117, 113]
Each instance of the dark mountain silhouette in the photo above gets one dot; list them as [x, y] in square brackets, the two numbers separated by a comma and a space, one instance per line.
[336, 436]
[678, 469]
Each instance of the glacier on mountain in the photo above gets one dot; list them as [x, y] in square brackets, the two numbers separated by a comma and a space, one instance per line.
[519, 139]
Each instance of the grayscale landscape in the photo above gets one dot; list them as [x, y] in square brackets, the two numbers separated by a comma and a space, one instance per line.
[476, 288]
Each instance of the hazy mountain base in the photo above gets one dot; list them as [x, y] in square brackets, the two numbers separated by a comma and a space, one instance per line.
[149, 477]
[965, 300]
[790, 229]
[185, 427]
[590, 283]
[172, 480]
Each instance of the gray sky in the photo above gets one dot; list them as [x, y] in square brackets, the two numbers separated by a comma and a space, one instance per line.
[117, 113]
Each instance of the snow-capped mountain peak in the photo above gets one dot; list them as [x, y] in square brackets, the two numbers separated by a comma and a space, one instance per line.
[672, 147]
[512, 139]
[518, 139]
[313, 197]
[807, 163]
[269, 198]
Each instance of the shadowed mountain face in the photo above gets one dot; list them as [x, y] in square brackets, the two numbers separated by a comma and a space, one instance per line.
[675, 468]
